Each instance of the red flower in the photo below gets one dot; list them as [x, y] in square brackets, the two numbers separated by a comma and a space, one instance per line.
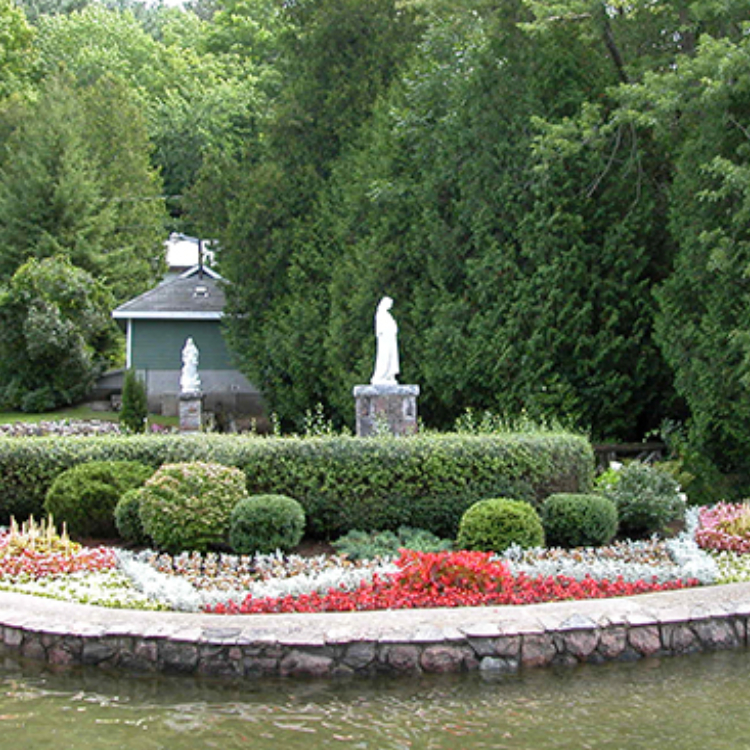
[447, 579]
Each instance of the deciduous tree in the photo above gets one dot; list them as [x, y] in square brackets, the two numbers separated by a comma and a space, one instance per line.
[56, 334]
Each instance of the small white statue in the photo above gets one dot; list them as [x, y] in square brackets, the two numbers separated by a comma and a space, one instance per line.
[386, 359]
[190, 382]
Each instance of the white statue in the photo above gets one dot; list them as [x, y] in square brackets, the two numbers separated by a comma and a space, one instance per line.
[190, 382]
[386, 359]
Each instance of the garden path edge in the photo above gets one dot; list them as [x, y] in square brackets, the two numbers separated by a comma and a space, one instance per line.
[484, 639]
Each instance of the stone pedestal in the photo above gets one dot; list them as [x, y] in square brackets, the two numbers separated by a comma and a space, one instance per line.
[386, 407]
[191, 411]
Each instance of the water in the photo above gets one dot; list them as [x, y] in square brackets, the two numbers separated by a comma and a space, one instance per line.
[695, 702]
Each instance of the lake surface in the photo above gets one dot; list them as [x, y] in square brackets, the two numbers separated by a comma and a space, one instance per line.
[700, 702]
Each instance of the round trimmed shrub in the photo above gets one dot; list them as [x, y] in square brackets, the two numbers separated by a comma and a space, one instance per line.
[572, 520]
[266, 523]
[494, 525]
[128, 518]
[647, 499]
[85, 496]
[186, 506]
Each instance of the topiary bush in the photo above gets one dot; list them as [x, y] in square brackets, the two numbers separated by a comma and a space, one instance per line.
[494, 525]
[574, 520]
[266, 523]
[85, 496]
[128, 518]
[647, 499]
[186, 506]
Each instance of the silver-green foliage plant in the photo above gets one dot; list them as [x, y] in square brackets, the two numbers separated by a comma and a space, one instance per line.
[186, 506]
[361, 545]
[266, 523]
[495, 524]
[647, 500]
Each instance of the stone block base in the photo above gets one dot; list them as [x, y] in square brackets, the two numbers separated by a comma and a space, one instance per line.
[386, 407]
[191, 412]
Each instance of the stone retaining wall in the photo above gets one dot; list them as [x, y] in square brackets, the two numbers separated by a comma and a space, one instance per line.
[491, 639]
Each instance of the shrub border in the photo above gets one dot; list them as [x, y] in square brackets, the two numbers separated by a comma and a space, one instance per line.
[342, 483]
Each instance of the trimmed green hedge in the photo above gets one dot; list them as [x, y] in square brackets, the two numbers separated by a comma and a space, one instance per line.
[343, 483]
[85, 496]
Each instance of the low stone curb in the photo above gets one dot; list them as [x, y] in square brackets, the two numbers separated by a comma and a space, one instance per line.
[486, 639]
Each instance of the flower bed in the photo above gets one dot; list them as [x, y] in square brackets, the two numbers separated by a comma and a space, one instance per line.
[30, 564]
[724, 527]
[57, 568]
[724, 531]
[447, 579]
[290, 583]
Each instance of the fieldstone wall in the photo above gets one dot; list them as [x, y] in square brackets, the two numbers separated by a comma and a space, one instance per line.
[490, 640]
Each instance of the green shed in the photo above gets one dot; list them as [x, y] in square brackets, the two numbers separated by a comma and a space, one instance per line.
[158, 323]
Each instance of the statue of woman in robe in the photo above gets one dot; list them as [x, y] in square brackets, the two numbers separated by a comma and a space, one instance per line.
[386, 332]
[190, 381]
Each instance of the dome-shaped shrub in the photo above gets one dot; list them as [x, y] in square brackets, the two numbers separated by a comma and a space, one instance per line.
[85, 496]
[265, 523]
[186, 506]
[128, 517]
[494, 525]
[571, 520]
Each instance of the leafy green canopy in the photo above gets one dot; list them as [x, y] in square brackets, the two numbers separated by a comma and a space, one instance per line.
[198, 94]
[554, 192]
[56, 334]
[75, 180]
[521, 182]
[16, 52]
[703, 324]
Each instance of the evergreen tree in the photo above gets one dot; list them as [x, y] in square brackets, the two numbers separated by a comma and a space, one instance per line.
[134, 410]
[335, 58]
[51, 201]
[520, 253]
[75, 180]
[705, 303]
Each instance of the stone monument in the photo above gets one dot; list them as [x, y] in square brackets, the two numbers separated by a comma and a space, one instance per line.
[385, 404]
[191, 396]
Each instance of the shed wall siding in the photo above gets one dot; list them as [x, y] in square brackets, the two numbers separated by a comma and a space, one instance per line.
[158, 344]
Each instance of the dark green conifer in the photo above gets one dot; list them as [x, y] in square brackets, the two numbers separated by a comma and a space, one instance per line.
[134, 411]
